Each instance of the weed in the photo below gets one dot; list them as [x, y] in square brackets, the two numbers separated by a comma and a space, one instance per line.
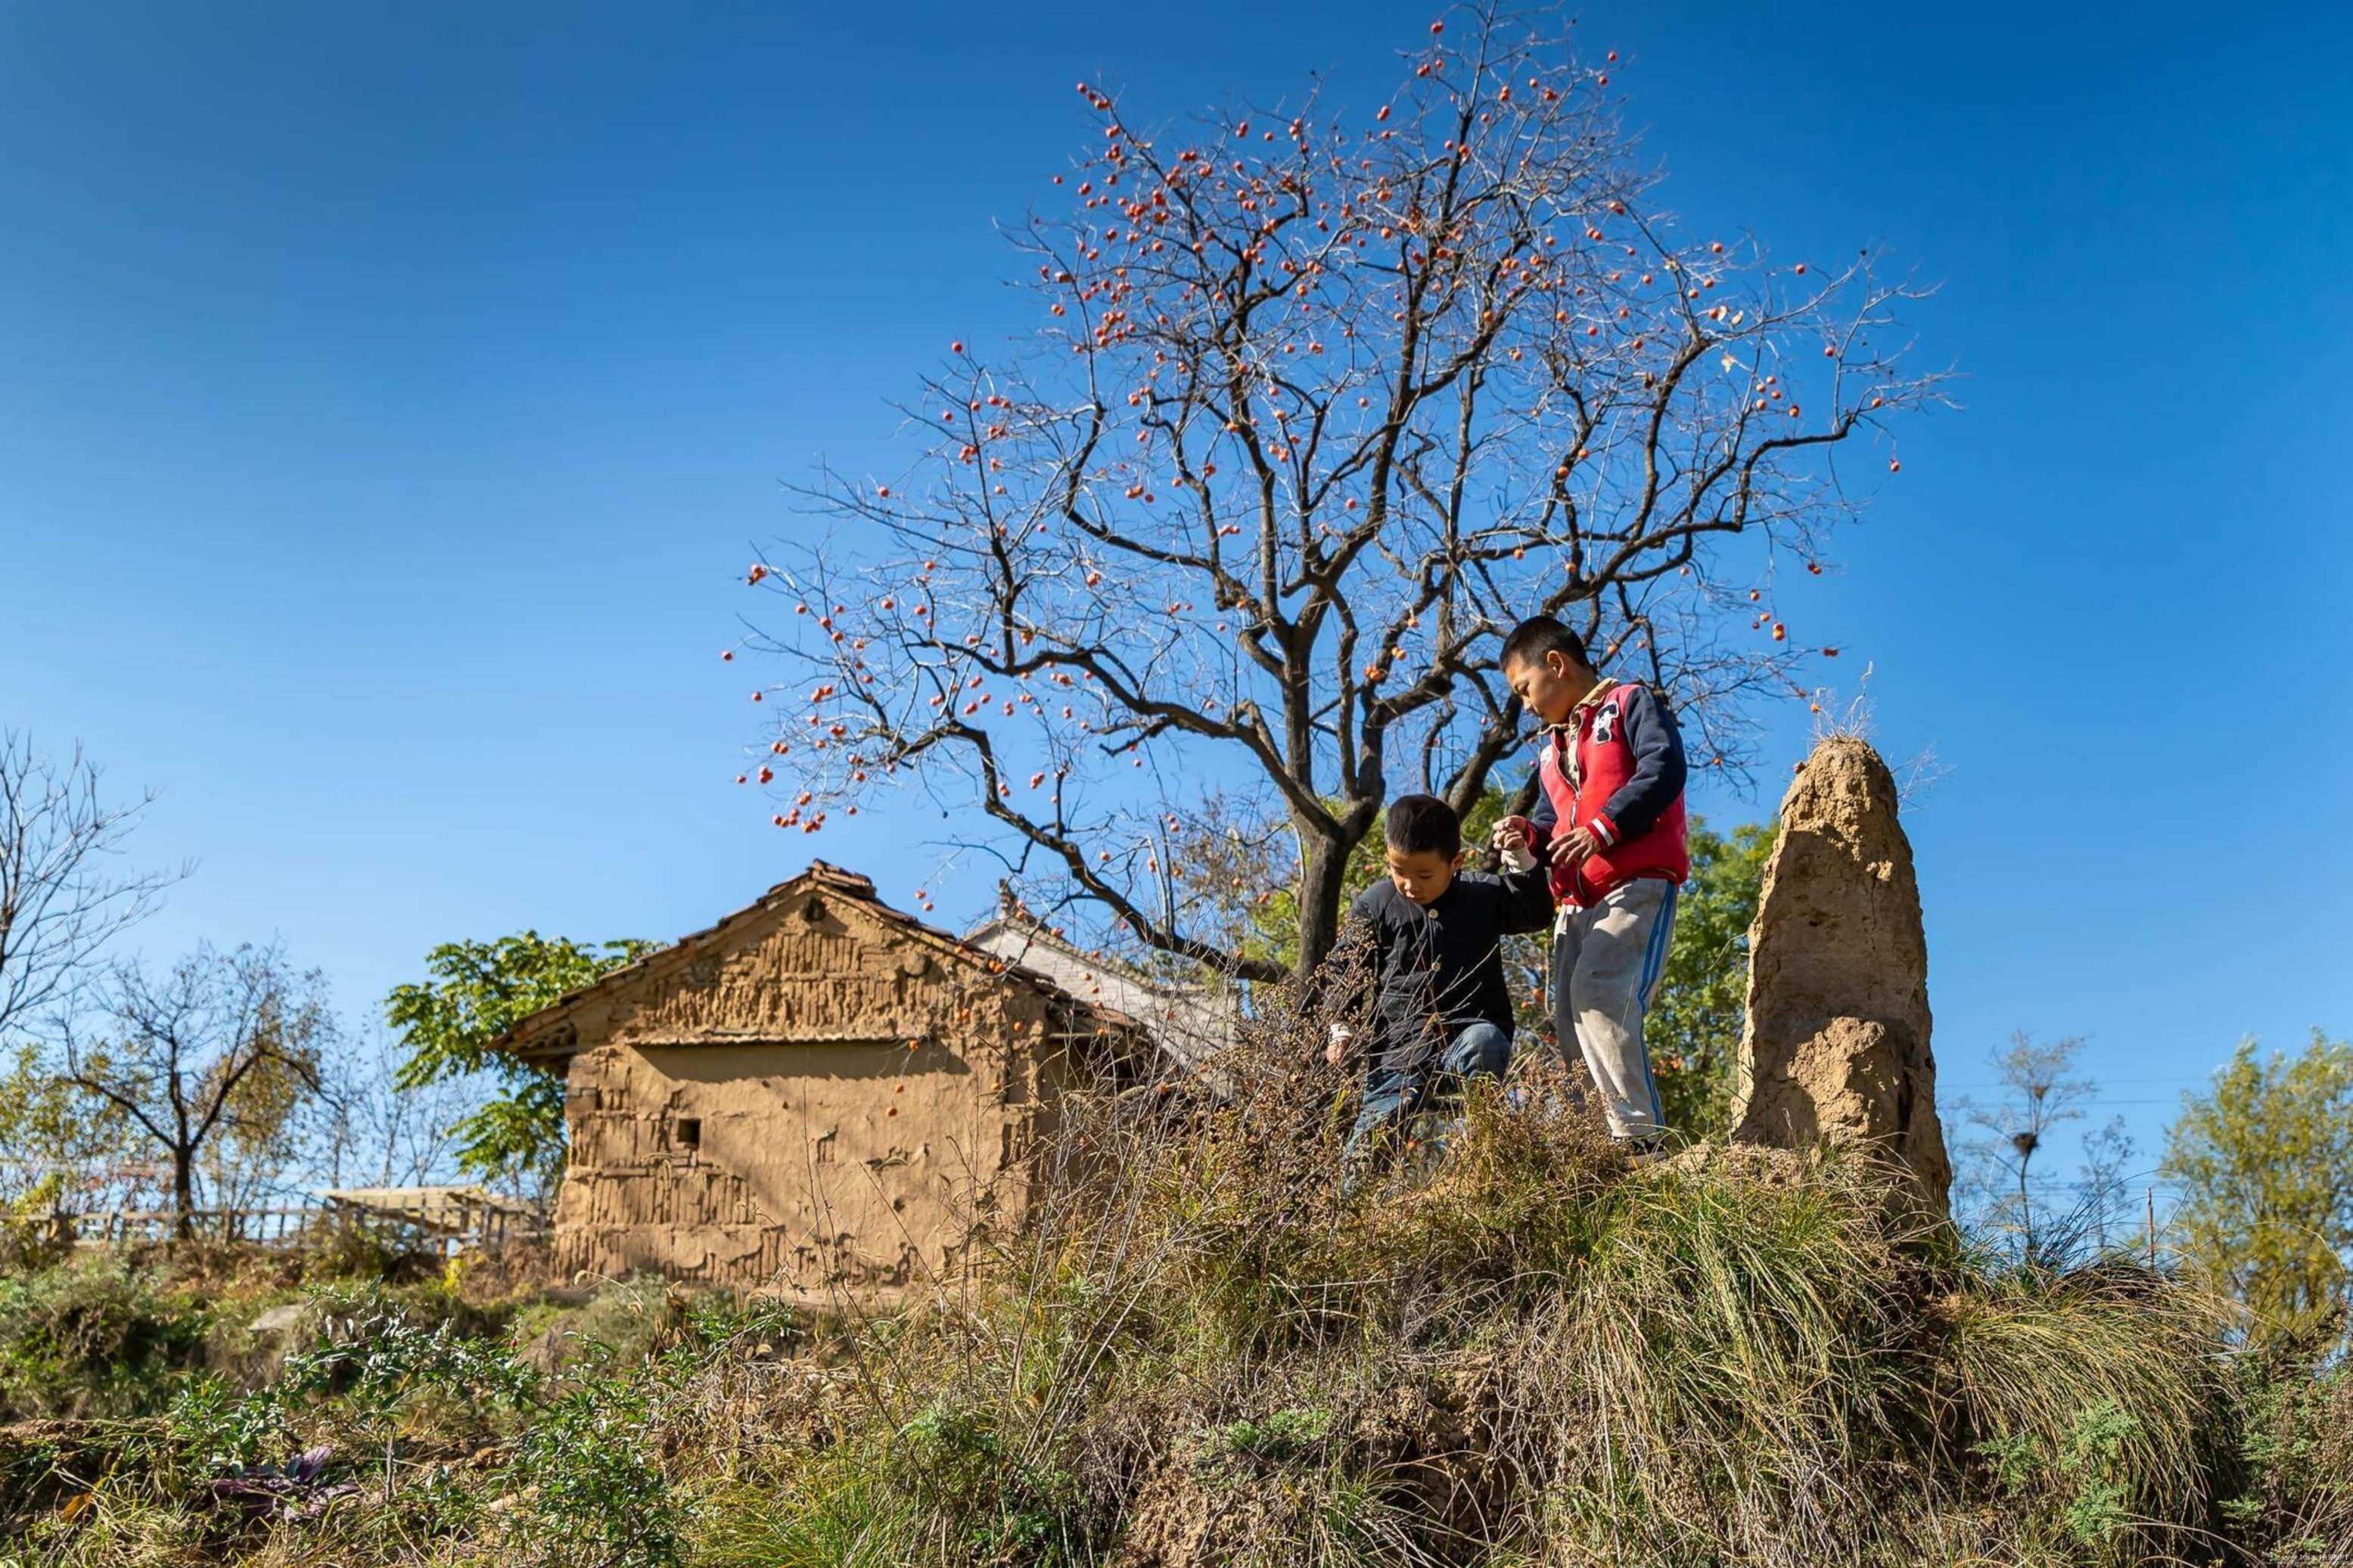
[594, 1496]
[1281, 1436]
[95, 1337]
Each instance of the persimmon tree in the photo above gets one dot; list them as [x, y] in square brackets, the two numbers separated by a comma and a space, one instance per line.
[1321, 404]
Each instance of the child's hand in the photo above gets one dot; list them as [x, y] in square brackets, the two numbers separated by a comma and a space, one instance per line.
[1337, 1051]
[1515, 844]
[1574, 846]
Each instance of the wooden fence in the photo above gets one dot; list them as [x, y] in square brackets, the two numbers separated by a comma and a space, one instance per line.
[305, 1225]
[260, 1227]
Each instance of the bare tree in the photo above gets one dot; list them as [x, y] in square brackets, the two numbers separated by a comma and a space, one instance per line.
[2103, 1198]
[207, 1060]
[376, 1132]
[2001, 1179]
[1318, 410]
[61, 893]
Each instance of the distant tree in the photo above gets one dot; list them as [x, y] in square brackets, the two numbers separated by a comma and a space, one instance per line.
[446, 1024]
[261, 1148]
[1693, 1027]
[57, 1138]
[2265, 1161]
[2105, 1206]
[2006, 1184]
[63, 893]
[207, 1060]
[378, 1133]
[1318, 411]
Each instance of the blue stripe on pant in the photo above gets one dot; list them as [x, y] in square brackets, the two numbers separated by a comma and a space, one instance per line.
[1607, 961]
[1654, 969]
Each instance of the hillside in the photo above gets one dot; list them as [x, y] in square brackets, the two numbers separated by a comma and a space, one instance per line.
[1512, 1350]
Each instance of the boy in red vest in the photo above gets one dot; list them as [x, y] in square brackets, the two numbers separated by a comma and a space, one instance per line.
[1609, 819]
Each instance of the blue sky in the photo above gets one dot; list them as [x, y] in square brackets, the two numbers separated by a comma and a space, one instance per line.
[390, 396]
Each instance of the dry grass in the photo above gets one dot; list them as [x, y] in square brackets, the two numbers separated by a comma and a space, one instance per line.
[1509, 1348]
[1517, 1349]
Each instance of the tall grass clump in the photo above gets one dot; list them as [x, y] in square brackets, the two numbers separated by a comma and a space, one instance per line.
[1506, 1345]
[95, 1336]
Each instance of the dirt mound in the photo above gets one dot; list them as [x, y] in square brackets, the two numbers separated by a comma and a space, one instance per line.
[1836, 1046]
[1751, 1163]
[1397, 1466]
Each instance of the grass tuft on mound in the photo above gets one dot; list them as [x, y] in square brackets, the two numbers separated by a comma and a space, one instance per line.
[1510, 1349]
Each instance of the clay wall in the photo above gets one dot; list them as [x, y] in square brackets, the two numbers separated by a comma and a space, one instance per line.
[825, 1099]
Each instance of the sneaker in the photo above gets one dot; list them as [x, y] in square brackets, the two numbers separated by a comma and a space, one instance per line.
[1646, 1148]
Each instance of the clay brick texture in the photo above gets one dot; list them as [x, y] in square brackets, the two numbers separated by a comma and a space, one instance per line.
[819, 1094]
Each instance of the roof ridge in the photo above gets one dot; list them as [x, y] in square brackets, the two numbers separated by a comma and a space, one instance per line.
[834, 879]
[1045, 935]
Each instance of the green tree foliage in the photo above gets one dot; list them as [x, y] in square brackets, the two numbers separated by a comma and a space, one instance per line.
[2265, 1165]
[478, 989]
[58, 1148]
[50, 1131]
[1693, 1027]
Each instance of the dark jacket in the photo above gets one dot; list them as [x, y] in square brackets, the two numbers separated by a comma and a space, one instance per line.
[1432, 971]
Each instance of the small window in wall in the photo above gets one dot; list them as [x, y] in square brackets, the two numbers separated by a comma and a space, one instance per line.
[689, 1132]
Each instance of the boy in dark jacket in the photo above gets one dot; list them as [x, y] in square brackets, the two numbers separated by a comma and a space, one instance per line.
[1441, 1012]
[1609, 819]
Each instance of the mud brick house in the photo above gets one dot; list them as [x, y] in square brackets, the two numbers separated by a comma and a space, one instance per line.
[822, 1092]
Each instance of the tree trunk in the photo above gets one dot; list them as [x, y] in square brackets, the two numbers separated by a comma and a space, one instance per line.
[1322, 867]
[184, 1193]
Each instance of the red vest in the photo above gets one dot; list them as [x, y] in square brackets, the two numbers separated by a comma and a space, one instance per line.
[1603, 764]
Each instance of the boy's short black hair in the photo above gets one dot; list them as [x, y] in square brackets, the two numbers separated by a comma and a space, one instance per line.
[1540, 635]
[1423, 825]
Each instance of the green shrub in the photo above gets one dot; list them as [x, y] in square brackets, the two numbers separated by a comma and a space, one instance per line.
[962, 1469]
[1281, 1436]
[30, 1236]
[595, 1496]
[2294, 1499]
[621, 1324]
[95, 1336]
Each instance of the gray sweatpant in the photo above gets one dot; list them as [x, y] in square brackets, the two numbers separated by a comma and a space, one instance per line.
[1606, 963]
